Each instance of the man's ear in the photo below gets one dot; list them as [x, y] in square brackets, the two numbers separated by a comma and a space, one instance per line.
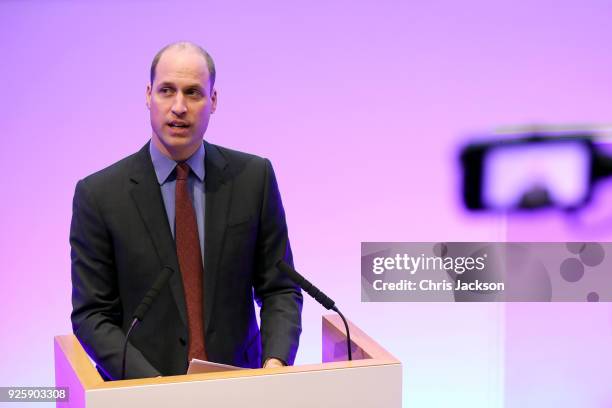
[148, 96]
[213, 98]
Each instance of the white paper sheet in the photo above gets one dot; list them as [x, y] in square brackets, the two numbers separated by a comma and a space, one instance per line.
[201, 366]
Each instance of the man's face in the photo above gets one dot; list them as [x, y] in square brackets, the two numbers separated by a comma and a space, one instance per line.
[180, 102]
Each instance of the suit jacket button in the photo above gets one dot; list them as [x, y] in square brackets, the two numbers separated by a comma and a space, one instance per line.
[182, 341]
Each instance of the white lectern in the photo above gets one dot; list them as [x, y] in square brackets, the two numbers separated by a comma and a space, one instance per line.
[372, 379]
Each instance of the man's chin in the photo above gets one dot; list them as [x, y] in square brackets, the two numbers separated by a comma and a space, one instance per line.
[180, 147]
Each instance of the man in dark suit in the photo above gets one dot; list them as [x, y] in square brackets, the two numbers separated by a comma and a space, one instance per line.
[212, 214]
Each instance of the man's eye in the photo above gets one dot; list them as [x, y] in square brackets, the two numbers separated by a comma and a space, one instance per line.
[194, 92]
[165, 91]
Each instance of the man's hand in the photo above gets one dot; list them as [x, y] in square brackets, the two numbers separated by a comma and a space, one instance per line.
[273, 362]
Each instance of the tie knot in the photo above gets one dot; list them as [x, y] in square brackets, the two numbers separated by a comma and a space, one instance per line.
[182, 171]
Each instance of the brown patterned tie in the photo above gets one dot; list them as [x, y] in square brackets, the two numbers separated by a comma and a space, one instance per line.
[190, 262]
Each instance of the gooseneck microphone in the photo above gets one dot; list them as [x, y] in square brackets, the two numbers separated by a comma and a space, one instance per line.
[143, 308]
[319, 296]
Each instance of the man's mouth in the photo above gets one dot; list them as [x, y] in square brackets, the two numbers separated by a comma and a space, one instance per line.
[178, 125]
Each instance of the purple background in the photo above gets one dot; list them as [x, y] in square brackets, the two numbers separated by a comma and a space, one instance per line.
[360, 105]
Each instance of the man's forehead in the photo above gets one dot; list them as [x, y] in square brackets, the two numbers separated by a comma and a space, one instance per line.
[181, 64]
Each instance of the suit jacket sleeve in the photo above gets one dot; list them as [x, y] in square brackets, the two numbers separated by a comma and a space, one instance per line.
[280, 299]
[97, 315]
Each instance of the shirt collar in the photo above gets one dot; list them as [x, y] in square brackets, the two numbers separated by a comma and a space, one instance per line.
[164, 165]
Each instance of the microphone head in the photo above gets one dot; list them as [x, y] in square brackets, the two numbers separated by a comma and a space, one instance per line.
[159, 283]
[303, 283]
[288, 270]
[166, 272]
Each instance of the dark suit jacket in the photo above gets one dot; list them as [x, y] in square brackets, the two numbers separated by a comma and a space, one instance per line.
[120, 240]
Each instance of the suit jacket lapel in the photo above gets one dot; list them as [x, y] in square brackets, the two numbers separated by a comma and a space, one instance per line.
[147, 196]
[218, 193]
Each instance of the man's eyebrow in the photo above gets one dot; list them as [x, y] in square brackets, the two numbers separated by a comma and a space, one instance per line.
[170, 84]
[165, 84]
[195, 85]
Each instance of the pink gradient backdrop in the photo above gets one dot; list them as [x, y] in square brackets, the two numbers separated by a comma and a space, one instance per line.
[360, 105]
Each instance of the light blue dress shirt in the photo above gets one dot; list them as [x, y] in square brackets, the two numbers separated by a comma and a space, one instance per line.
[166, 177]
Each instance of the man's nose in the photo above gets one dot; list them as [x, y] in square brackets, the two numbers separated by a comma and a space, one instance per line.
[179, 107]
